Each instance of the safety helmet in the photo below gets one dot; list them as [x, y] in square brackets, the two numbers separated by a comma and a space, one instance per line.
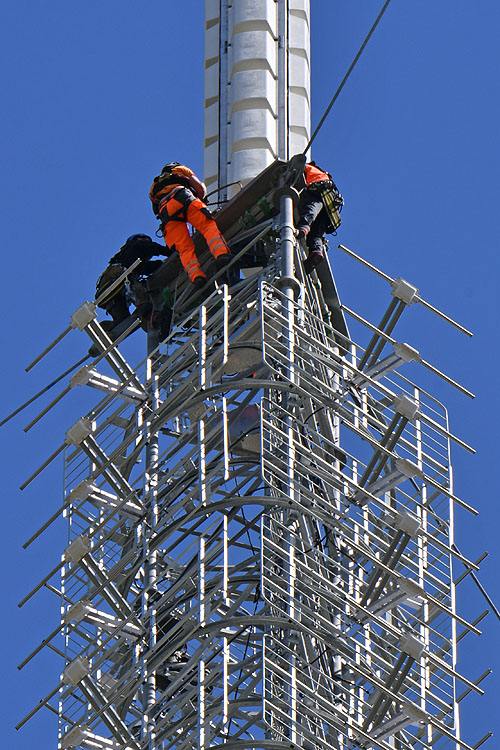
[138, 237]
[168, 167]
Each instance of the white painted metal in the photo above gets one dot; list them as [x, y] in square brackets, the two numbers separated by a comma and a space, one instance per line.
[290, 578]
[257, 86]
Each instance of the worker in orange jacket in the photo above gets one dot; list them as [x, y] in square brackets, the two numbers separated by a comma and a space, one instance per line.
[315, 220]
[177, 197]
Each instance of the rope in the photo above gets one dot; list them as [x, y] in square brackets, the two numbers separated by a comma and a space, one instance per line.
[344, 80]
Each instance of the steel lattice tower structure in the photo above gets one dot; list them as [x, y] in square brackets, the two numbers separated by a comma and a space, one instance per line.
[260, 512]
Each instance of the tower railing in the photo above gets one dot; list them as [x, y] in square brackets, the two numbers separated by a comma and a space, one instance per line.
[260, 545]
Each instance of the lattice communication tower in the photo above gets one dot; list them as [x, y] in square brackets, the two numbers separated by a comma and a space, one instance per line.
[261, 511]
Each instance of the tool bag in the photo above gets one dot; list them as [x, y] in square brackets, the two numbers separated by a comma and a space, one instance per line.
[107, 277]
[332, 202]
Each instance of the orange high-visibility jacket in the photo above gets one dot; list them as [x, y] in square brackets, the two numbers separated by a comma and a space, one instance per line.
[315, 174]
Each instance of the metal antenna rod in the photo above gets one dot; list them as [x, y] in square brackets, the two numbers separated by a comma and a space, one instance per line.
[48, 348]
[417, 297]
[44, 390]
[98, 300]
[482, 589]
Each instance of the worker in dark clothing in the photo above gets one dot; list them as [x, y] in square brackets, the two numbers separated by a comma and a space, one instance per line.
[137, 246]
[319, 206]
[177, 197]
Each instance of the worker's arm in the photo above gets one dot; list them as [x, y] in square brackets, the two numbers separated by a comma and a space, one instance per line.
[158, 249]
[199, 187]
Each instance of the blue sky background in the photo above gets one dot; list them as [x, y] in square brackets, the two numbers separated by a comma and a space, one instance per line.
[98, 95]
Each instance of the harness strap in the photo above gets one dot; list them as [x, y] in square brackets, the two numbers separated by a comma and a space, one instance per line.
[185, 198]
[167, 196]
[320, 185]
[179, 215]
[166, 179]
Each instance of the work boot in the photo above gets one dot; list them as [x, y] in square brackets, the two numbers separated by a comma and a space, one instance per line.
[222, 260]
[153, 319]
[164, 323]
[144, 311]
[313, 260]
[302, 237]
[199, 282]
[108, 325]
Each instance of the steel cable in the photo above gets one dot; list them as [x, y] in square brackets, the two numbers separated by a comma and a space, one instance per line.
[345, 78]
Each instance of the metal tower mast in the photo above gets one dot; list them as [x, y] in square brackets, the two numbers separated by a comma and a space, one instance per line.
[257, 87]
[261, 512]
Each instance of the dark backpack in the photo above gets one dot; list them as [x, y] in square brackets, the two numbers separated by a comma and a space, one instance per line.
[107, 277]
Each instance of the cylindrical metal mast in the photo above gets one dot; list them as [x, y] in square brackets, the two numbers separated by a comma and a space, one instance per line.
[257, 86]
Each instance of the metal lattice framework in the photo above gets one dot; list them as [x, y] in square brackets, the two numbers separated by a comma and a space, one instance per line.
[261, 530]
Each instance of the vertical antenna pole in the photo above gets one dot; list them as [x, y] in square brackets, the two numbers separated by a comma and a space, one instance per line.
[150, 567]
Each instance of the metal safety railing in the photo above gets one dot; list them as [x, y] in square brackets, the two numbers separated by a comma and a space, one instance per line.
[279, 568]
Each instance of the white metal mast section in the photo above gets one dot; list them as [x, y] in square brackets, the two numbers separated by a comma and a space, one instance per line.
[257, 86]
[261, 512]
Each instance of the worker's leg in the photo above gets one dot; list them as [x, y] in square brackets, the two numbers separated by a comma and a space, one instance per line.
[316, 235]
[177, 237]
[200, 217]
[310, 205]
[118, 307]
[315, 240]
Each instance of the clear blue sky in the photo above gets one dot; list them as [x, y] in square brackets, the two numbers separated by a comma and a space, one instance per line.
[98, 95]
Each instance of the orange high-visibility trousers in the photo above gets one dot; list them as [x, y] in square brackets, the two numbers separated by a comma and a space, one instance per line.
[177, 235]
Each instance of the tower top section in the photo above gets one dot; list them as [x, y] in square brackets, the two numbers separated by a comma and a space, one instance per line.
[257, 86]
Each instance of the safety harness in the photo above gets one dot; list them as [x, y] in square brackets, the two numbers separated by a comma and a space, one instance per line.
[185, 197]
[182, 191]
[162, 181]
[332, 201]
